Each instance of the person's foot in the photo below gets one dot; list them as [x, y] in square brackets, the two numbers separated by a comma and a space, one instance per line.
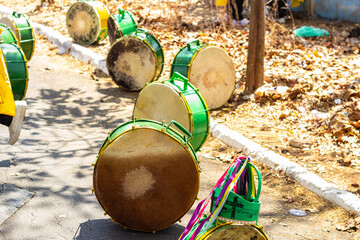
[16, 123]
[235, 23]
[244, 21]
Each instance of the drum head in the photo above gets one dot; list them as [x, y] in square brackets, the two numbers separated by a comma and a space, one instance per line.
[7, 21]
[212, 71]
[145, 180]
[160, 102]
[131, 63]
[113, 31]
[83, 23]
[236, 232]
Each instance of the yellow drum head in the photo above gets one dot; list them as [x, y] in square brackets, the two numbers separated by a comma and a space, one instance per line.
[83, 23]
[212, 72]
[145, 180]
[160, 102]
[131, 63]
[234, 232]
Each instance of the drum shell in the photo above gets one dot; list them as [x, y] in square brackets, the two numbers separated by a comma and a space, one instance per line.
[6, 35]
[102, 14]
[199, 116]
[16, 65]
[24, 32]
[134, 126]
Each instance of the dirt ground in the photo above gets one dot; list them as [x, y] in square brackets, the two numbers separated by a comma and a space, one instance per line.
[320, 75]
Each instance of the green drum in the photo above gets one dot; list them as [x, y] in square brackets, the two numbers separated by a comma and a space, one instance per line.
[120, 25]
[209, 68]
[146, 175]
[17, 69]
[20, 25]
[86, 22]
[178, 100]
[6, 35]
[221, 230]
[135, 60]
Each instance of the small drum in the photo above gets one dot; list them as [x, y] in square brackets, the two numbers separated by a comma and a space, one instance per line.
[178, 100]
[230, 231]
[210, 69]
[86, 22]
[6, 35]
[120, 25]
[146, 175]
[135, 60]
[17, 69]
[20, 25]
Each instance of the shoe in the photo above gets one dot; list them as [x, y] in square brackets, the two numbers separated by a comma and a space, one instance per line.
[16, 123]
[281, 20]
[235, 23]
[244, 21]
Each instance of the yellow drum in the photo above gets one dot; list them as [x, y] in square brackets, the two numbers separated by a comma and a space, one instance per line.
[210, 69]
[86, 22]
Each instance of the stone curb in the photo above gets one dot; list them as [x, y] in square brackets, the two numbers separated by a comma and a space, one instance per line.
[314, 183]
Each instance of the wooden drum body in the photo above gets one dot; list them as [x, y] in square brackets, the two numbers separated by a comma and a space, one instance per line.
[210, 69]
[86, 22]
[17, 69]
[178, 100]
[20, 26]
[6, 35]
[146, 176]
[135, 60]
[120, 25]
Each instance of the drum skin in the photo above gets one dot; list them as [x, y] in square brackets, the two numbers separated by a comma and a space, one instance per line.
[210, 69]
[135, 60]
[120, 25]
[6, 35]
[146, 176]
[177, 100]
[86, 22]
[17, 69]
[20, 25]
[235, 232]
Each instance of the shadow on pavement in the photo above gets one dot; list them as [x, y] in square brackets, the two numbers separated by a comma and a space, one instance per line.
[107, 229]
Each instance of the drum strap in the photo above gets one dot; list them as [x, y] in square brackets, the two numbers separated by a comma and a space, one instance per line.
[228, 180]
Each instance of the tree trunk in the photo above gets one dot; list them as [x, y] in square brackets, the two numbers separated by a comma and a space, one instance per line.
[256, 49]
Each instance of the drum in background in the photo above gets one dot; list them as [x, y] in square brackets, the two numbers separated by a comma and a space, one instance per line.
[86, 22]
[17, 69]
[146, 175]
[135, 60]
[20, 25]
[178, 100]
[120, 25]
[6, 35]
[210, 69]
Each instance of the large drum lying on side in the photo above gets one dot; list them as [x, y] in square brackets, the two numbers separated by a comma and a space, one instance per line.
[20, 26]
[135, 60]
[17, 69]
[210, 69]
[146, 176]
[6, 35]
[120, 25]
[86, 22]
[178, 100]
